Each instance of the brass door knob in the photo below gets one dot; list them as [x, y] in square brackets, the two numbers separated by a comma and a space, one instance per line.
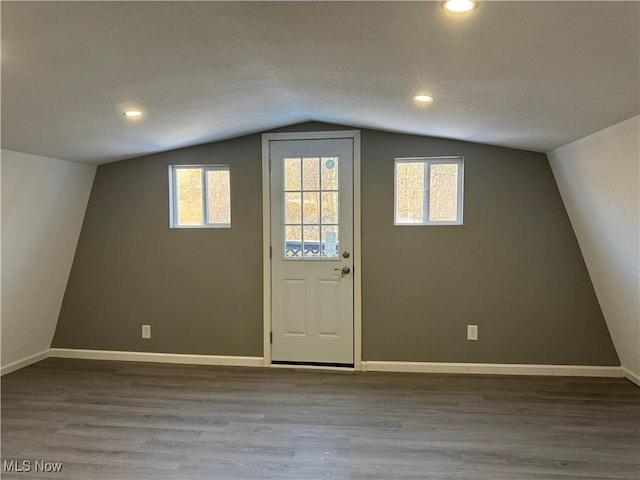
[343, 271]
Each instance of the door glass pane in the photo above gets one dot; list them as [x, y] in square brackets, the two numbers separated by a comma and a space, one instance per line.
[410, 192]
[311, 207]
[443, 192]
[190, 205]
[330, 242]
[292, 241]
[292, 208]
[311, 241]
[292, 173]
[329, 173]
[218, 193]
[311, 173]
[330, 207]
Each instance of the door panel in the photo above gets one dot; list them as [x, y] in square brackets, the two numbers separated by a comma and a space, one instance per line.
[311, 225]
[295, 306]
[329, 307]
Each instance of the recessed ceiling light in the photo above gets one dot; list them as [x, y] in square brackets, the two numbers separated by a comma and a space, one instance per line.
[423, 98]
[459, 6]
[132, 113]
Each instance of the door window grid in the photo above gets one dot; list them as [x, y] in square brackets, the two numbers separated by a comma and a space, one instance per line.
[311, 207]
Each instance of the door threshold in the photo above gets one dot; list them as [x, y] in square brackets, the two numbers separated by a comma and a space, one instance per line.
[313, 365]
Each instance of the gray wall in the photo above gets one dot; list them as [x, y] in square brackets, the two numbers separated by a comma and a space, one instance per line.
[200, 289]
[514, 268]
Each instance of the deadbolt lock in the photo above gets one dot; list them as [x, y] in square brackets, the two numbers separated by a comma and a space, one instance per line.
[345, 254]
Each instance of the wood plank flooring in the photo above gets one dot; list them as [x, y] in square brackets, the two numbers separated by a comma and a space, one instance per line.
[121, 420]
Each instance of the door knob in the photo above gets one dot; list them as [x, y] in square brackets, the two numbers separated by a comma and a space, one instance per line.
[343, 271]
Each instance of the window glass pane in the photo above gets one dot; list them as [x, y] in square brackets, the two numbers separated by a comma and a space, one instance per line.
[219, 196]
[410, 192]
[311, 241]
[330, 207]
[292, 208]
[189, 196]
[443, 192]
[311, 173]
[329, 173]
[292, 242]
[330, 242]
[311, 206]
[292, 173]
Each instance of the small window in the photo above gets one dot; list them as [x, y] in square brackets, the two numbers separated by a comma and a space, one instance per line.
[200, 196]
[428, 191]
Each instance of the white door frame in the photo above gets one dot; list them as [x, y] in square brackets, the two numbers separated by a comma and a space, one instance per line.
[266, 236]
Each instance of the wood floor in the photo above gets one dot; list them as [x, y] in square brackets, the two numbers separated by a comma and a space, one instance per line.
[117, 420]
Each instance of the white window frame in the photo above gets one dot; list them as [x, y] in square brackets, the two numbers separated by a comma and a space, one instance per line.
[428, 161]
[173, 199]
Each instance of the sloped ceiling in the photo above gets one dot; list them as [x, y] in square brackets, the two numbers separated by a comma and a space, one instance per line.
[530, 75]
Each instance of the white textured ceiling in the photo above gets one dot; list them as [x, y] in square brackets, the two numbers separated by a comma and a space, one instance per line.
[531, 75]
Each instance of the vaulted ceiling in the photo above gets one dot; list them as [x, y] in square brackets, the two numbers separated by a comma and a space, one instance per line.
[530, 75]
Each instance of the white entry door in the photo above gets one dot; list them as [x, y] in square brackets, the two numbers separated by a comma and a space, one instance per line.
[312, 251]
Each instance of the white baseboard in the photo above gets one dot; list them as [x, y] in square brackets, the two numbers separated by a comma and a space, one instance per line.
[17, 365]
[191, 359]
[370, 366]
[493, 368]
[629, 375]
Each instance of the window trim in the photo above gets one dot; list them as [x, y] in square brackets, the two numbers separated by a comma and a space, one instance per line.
[428, 161]
[173, 199]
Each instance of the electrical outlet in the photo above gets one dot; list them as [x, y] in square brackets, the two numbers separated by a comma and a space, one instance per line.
[472, 332]
[146, 331]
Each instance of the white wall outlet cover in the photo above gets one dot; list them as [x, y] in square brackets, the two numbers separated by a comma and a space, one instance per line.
[146, 331]
[472, 332]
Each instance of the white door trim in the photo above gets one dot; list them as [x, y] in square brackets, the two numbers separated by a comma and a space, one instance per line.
[266, 236]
